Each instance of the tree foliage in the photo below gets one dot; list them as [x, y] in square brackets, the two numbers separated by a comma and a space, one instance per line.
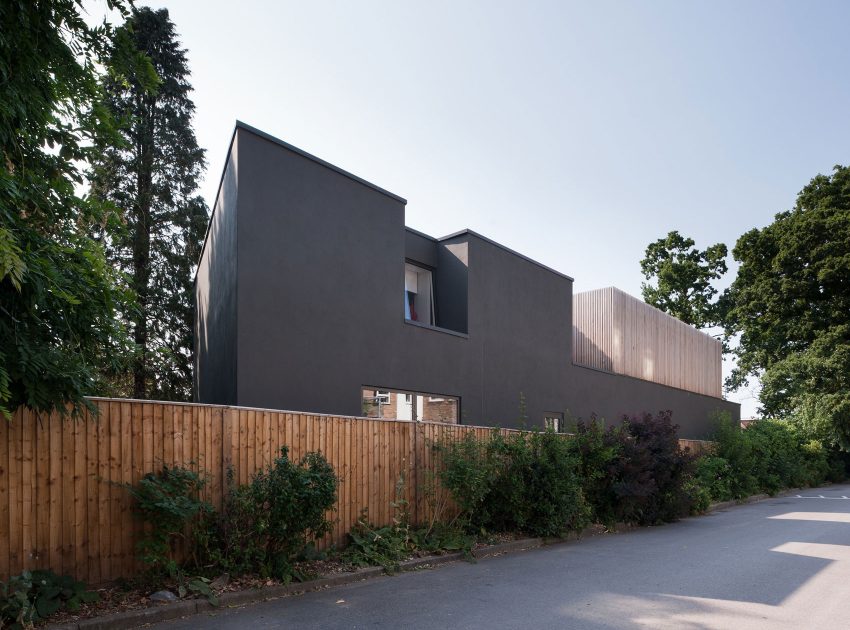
[790, 303]
[152, 176]
[57, 291]
[682, 276]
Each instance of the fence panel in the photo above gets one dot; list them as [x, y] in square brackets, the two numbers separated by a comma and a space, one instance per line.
[63, 504]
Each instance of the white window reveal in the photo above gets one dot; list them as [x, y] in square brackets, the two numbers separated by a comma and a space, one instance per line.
[418, 295]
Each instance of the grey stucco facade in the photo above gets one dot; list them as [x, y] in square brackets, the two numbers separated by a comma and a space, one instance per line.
[300, 305]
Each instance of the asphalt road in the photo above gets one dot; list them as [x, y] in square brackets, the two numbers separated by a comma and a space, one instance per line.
[780, 563]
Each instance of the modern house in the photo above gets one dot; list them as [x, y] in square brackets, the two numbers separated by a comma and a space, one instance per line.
[312, 295]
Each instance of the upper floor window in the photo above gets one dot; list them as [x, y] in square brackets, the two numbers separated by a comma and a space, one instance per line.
[418, 295]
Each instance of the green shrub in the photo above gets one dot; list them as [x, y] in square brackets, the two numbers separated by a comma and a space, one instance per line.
[169, 503]
[777, 455]
[810, 432]
[715, 476]
[598, 451]
[547, 484]
[505, 508]
[634, 473]
[816, 464]
[839, 463]
[266, 523]
[36, 595]
[522, 482]
[770, 455]
[700, 497]
[653, 471]
[737, 450]
[467, 469]
[552, 503]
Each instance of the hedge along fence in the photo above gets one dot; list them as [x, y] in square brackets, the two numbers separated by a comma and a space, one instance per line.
[63, 505]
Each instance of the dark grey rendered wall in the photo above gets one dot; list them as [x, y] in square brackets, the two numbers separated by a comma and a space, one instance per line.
[524, 314]
[215, 297]
[315, 318]
[320, 309]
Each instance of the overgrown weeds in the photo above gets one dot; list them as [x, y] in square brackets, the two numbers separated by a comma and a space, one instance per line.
[36, 595]
[387, 546]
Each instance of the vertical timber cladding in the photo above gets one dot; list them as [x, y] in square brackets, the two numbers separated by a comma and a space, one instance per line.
[618, 333]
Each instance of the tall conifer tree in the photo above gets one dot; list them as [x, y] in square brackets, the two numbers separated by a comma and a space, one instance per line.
[153, 179]
[58, 295]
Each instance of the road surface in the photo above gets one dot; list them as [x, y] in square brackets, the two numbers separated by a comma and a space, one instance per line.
[781, 563]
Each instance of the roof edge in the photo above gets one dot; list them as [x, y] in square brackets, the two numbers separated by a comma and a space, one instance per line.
[507, 249]
[418, 233]
[213, 206]
[654, 308]
[317, 160]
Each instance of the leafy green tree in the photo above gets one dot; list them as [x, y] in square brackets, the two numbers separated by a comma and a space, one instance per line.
[790, 303]
[57, 291]
[153, 178]
[682, 277]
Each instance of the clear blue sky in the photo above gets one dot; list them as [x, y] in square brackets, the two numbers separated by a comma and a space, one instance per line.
[575, 133]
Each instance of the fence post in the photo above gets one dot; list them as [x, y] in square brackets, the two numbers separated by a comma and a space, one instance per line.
[414, 462]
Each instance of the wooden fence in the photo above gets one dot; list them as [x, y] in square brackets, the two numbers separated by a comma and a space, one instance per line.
[618, 333]
[63, 504]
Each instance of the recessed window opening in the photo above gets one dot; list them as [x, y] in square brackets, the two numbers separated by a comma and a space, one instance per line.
[413, 406]
[418, 295]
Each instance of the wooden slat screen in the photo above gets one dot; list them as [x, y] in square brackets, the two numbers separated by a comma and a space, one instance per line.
[618, 333]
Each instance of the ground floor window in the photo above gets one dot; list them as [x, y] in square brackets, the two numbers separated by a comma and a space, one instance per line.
[379, 402]
[554, 421]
